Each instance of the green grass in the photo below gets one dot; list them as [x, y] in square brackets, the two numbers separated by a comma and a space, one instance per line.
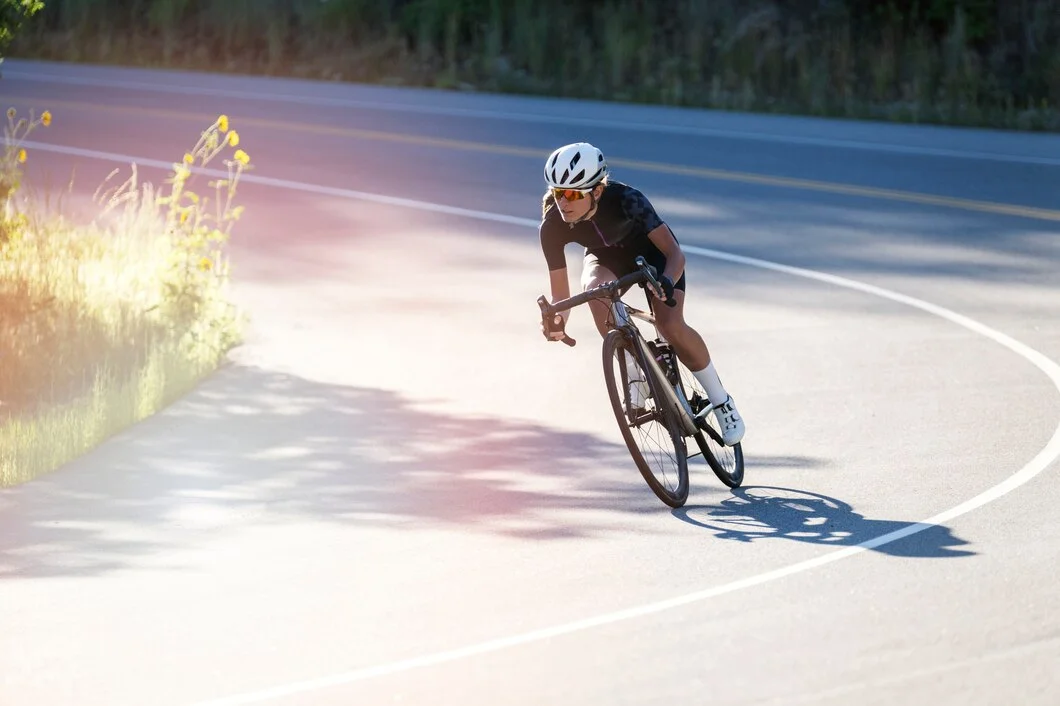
[961, 62]
[38, 443]
[105, 323]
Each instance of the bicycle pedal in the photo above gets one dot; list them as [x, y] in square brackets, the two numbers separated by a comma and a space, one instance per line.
[701, 421]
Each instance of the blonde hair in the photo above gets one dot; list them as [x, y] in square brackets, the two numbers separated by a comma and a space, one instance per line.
[547, 202]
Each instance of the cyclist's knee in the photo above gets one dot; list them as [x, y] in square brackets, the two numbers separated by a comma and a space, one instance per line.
[594, 281]
[672, 328]
[595, 275]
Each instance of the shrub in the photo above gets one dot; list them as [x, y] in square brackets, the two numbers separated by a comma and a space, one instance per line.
[103, 324]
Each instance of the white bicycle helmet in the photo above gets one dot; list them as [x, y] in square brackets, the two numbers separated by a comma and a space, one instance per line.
[575, 166]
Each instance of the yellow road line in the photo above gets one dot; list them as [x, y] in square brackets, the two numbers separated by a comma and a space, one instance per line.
[658, 167]
[1044, 214]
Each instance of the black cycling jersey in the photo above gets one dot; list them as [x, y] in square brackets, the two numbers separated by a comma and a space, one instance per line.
[615, 236]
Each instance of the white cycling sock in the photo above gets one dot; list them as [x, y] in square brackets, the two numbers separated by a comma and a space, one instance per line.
[708, 377]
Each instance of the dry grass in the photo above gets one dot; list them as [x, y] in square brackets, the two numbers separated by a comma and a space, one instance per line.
[102, 324]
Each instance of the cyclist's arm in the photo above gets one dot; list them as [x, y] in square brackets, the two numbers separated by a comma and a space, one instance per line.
[560, 287]
[637, 208]
[553, 241]
[664, 239]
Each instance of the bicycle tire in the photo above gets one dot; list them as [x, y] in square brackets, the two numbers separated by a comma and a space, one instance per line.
[731, 477]
[616, 341]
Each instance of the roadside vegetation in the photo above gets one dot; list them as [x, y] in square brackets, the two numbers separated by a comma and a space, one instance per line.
[104, 323]
[962, 62]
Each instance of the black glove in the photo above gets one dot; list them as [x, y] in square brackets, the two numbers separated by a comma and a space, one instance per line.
[553, 325]
[667, 287]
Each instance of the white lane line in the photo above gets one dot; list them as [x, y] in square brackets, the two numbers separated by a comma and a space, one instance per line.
[252, 178]
[865, 192]
[538, 118]
[1042, 460]
[1039, 463]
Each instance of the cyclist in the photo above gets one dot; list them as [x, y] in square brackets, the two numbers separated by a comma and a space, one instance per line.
[615, 223]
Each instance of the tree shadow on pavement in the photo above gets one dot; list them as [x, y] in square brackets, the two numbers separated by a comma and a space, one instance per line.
[767, 512]
[252, 447]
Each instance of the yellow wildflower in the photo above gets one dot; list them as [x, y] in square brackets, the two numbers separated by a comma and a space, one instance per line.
[242, 157]
[233, 138]
[184, 216]
[205, 264]
[46, 118]
[222, 123]
[22, 156]
[188, 159]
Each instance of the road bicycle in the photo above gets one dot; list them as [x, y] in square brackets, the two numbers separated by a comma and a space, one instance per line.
[671, 404]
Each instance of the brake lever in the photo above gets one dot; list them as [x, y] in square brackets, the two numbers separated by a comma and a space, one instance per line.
[650, 272]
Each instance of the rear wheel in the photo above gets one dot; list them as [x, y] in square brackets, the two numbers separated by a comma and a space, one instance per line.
[651, 433]
[725, 461]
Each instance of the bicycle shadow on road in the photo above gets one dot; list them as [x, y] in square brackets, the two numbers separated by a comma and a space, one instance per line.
[768, 512]
[252, 448]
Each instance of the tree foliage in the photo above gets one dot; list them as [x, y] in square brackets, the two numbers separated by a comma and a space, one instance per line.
[12, 14]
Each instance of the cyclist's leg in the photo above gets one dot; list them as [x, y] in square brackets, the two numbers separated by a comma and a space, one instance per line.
[690, 347]
[692, 350]
[594, 274]
[686, 341]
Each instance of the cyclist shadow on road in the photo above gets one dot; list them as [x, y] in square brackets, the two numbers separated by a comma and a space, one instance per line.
[252, 448]
[768, 512]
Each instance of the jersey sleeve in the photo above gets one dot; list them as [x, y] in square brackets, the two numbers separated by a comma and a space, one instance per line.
[552, 244]
[637, 208]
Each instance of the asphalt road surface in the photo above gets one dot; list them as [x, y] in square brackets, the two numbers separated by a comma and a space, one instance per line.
[399, 493]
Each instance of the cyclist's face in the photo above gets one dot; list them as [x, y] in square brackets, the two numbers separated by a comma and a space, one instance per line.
[574, 204]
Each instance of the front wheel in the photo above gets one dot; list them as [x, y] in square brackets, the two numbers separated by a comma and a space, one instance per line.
[654, 440]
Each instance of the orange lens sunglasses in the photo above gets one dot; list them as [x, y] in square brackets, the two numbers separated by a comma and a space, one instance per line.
[569, 194]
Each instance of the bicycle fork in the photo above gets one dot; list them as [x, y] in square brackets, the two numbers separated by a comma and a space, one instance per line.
[673, 397]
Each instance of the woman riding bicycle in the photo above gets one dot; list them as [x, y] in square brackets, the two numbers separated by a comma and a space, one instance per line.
[615, 223]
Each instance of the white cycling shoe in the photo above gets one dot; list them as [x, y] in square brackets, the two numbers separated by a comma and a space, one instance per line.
[729, 421]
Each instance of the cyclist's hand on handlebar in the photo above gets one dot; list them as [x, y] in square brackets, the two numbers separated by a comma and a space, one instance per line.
[554, 328]
[553, 324]
[667, 286]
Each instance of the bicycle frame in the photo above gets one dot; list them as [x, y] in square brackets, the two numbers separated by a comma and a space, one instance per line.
[669, 398]
[623, 316]
[674, 396]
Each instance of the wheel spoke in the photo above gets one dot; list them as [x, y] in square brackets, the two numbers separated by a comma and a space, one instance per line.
[658, 450]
